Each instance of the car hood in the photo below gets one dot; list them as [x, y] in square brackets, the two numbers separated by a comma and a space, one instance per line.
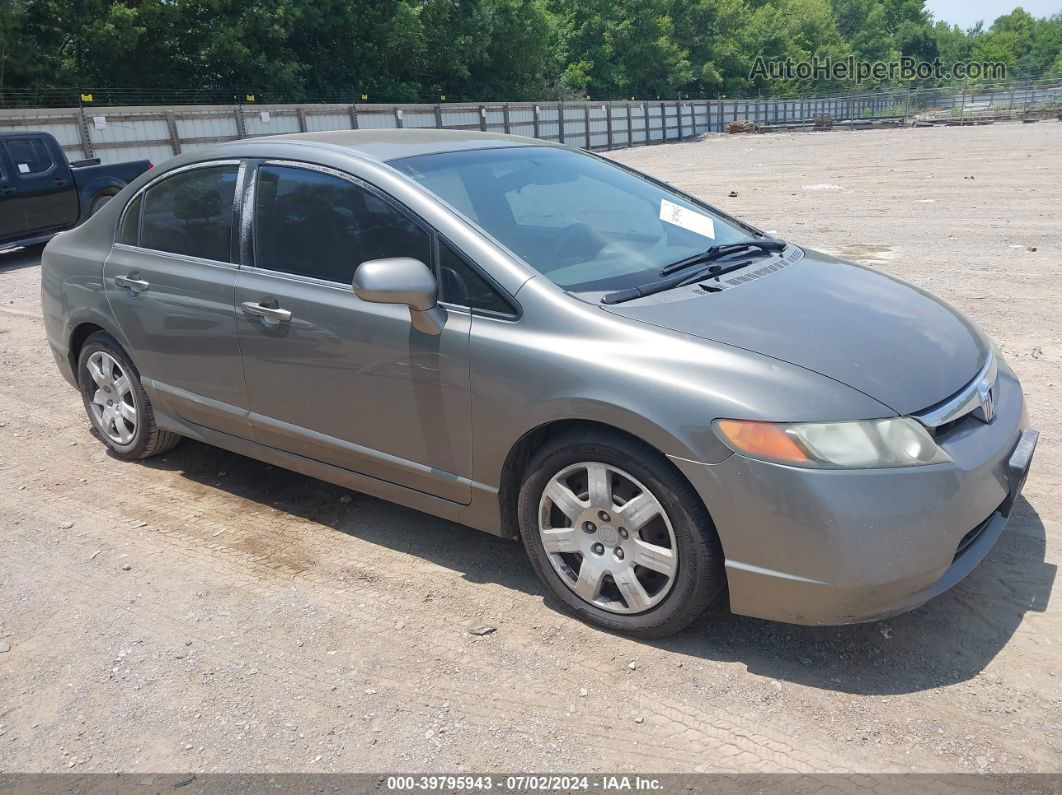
[890, 340]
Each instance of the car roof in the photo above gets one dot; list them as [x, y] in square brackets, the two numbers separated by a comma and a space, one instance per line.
[384, 145]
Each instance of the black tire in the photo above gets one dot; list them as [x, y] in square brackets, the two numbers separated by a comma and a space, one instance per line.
[147, 439]
[700, 577]
[99, 201]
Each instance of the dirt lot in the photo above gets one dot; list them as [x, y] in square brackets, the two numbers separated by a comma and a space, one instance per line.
[206, 612]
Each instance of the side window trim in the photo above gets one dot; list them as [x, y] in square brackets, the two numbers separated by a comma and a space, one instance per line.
[240, 163]
[249, 256]
[439, 241]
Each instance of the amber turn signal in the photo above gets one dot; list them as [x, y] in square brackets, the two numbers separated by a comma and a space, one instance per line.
[761, 440]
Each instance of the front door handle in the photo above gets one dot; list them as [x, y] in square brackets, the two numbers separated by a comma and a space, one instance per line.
[133, 283]
[271, 316]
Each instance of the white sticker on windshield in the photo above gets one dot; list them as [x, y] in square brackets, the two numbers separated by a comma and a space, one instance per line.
[688, 219]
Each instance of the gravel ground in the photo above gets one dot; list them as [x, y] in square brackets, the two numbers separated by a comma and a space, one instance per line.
[206, 612]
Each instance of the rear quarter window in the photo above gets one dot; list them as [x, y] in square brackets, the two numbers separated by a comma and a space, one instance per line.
[129, 232]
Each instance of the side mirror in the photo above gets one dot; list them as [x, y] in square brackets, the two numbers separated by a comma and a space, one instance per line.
[402, 280]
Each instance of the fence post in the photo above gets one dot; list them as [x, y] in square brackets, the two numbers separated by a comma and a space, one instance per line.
[538, 130]
[438, 117]
[678, 115]
[171, 126]
[630, 126]
[586, 122]
[962, 107]
[663, 122]
[301, 115]
[353, 117]
[83, 131]
[505, 116]
[560, 121]
[608, 125]
[398, 117]
[483, 118]
[645, 108]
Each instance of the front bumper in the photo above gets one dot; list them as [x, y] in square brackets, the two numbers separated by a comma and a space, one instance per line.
[812, 546]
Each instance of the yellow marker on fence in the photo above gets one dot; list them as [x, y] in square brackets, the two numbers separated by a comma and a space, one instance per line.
[249, 98]
[86, 97]
[364, 96]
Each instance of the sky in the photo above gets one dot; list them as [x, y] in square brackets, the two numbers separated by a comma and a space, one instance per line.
[965, 13]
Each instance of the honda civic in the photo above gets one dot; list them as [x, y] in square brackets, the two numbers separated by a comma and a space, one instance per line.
[663, 403]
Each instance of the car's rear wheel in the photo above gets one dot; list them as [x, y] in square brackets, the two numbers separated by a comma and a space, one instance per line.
[618, 535]
[116, 403]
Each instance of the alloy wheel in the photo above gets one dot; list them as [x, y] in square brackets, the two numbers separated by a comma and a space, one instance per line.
[608, 537]
[113, 403]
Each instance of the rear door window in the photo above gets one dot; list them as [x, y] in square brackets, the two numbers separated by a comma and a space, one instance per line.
[309, 223]
[190, 213]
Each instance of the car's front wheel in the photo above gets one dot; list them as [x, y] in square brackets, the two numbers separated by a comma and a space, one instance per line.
[116, 402]
[618, 535]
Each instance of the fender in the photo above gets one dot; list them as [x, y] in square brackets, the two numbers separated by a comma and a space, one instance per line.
[90, 190]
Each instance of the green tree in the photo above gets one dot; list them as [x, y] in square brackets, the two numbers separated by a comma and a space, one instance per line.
[621, 48]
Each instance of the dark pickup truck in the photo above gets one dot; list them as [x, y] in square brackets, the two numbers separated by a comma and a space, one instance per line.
[41, 193]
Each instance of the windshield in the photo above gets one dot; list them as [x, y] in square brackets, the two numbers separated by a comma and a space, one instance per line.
[586, 224]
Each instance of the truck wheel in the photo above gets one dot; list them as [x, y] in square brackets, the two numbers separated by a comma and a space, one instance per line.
[98, 201]
[116, 402]
[618, 535]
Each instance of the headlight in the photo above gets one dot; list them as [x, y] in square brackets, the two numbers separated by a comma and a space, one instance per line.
[868, 444]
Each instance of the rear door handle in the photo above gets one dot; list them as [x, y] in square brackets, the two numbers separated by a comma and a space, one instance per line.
[133, 283]
[7, 190]
[270, 315]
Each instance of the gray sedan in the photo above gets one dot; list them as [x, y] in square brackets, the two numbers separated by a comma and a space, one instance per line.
[662, 402]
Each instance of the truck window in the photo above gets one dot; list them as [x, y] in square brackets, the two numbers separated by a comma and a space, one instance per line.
[29, 155]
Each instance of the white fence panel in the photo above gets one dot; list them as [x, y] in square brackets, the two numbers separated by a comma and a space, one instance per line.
[376, 119]
[207, 125]
[323, 122]
[461, 117]
[418, 117]
[265, 121]
[156, 154]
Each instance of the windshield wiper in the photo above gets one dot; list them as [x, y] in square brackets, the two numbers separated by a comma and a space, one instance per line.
[675, 278]
[723, 250]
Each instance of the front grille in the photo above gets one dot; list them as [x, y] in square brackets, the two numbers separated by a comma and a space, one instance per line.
[941, 431]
